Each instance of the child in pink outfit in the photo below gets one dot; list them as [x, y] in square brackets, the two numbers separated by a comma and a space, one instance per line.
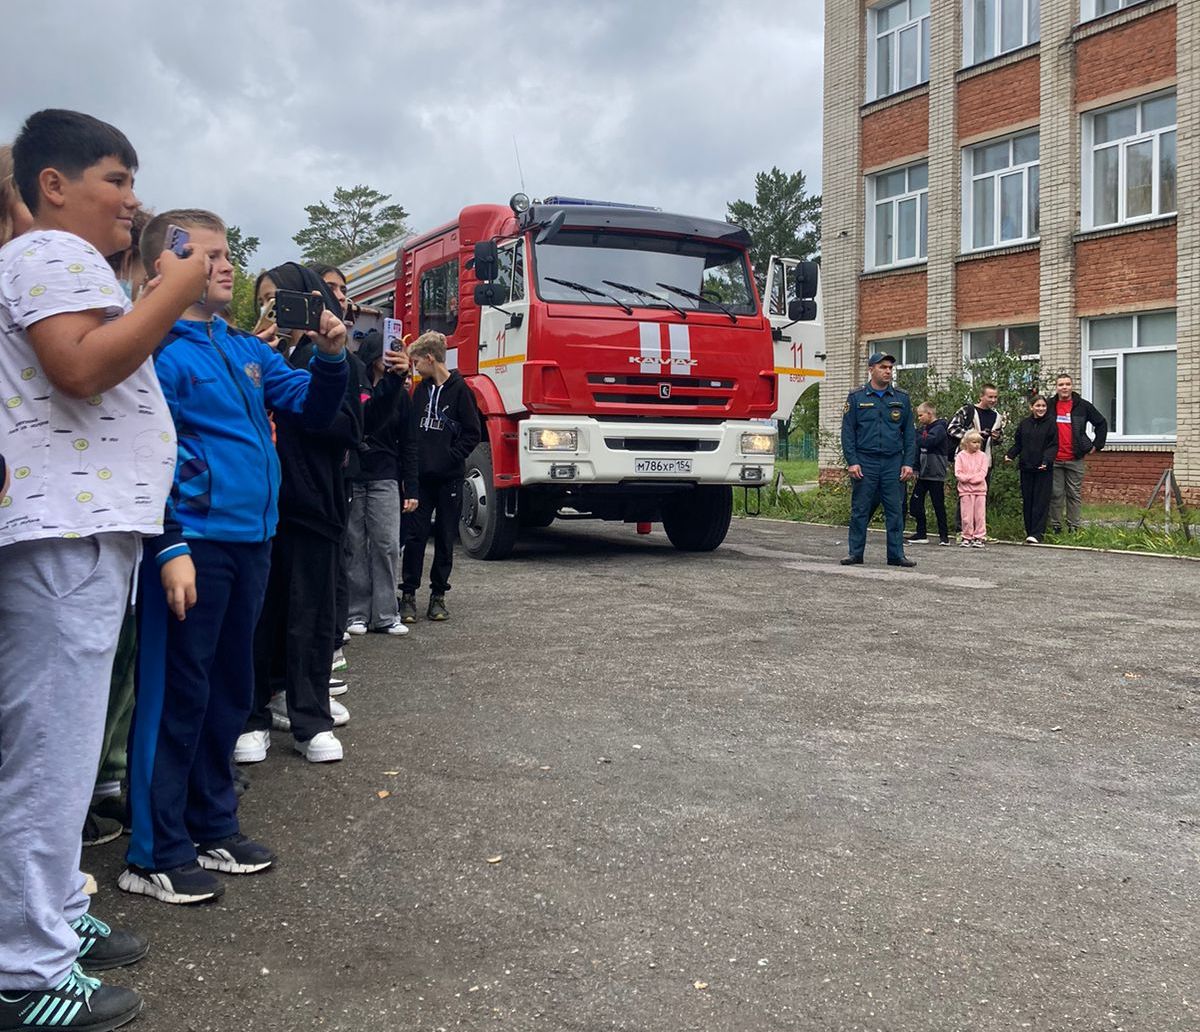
[970, 470]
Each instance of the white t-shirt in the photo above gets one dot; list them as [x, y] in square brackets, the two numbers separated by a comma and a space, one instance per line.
[79, 466]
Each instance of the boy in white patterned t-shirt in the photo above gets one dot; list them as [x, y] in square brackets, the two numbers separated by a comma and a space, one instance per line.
[91, 446]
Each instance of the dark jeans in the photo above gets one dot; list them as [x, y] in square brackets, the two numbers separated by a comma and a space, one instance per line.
[936, 490]
[1036, 488]
[439, 504]
[194, 688]
[294, 641]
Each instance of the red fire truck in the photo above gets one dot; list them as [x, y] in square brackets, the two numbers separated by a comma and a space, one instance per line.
[623, 365]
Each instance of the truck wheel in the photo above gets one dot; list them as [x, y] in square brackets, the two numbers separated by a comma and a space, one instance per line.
[484, 529]
[698, 521]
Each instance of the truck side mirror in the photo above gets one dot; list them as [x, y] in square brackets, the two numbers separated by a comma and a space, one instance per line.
[806, 280]
[490, 293]
[487, 260]
[550, 230]
[802, 309]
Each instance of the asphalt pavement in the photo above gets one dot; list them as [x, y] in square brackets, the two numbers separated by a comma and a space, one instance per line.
[629, 788]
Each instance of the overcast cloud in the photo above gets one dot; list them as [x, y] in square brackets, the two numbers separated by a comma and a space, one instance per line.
[257, 108]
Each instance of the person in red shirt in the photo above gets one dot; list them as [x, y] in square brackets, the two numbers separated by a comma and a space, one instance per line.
[1072, 414]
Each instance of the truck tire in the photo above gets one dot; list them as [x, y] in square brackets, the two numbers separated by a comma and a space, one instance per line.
[699, 520]
[485, 530]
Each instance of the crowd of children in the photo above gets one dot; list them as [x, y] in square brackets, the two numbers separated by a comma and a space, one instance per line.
[193, 515]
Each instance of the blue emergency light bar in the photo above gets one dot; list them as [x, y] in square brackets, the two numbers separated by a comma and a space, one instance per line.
[598, 204]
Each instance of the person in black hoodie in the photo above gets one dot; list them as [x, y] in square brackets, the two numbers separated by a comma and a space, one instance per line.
[294, 641]
[386, 473]
[932, 464]
[1035, 445]
[445, 423]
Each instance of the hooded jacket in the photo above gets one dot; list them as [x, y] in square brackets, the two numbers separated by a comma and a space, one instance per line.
[389, 449]
[932, 460]
[445, 424]
[219, 383]
[1082, 413]
[1035, 443]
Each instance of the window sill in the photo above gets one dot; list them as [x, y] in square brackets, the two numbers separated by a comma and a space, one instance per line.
[990, 64]
[894, 270]
[1104, 22]
[1154, 222]
[921, 89]
[1135, 444]
[999, 252]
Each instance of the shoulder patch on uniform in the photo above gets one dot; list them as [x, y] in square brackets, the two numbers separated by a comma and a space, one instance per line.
[845, 408]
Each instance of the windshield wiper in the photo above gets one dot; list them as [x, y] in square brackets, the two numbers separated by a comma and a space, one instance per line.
[639, 292]
[583, 288]
[700, 299]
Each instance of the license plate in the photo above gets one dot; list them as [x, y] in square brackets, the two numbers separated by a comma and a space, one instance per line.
[662, 465]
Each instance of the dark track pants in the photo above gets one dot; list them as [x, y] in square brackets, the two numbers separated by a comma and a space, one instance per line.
[880, 484]
[194, 686]
[294, 642]
[438, 509]
[936, 490]
[1036, 488]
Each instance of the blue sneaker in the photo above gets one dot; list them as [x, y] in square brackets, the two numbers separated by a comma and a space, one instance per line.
[102, 947]
[79, 1003]
[186, 884]
[234, 855]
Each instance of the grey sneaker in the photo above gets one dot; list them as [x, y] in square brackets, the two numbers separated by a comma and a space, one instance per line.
[437, 608]
[408, 608]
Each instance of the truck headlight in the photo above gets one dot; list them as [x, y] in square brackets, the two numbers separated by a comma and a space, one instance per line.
[758, 444]
[549, 439]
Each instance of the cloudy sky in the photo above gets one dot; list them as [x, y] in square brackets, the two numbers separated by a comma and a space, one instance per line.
[254, 109]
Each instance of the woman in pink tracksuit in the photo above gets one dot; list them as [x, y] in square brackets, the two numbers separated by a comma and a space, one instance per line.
[970, 470]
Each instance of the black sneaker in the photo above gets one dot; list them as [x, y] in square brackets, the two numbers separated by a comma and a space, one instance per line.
[903, 561]
[437, 608]
[102, 947]
[98, 830]
[77, 1002]
[114, 808]
[186, 884]
[408, 608]
[915, 540]
[852, 560]
[234, 855]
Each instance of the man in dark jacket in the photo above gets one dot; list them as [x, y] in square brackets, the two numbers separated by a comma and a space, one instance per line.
[1071, 416]
[446, 427]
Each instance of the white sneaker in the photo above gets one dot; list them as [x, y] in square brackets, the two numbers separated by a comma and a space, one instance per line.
[321, 748]
[337, 687]
[356, 627]
[280, 720]
[339, 661]
[341, 715]
[345, 637]
[252, 747]
[1031, 540]
[977, 543]
[397, 628]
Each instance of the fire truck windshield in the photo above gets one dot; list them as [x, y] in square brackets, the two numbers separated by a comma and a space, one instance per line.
[718, 275]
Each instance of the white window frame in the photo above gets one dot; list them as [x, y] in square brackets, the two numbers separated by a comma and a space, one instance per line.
[1087, 171]
[1007, 342]
[899, 346]
[1013, 168]
[1030, 29]
[891, 39]
[1115, 427]
[920, 195]
[1089, 9]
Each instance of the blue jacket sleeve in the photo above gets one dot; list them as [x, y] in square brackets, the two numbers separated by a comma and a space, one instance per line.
[170, 544]
[315, 394]
[849, 445]
[910, 436]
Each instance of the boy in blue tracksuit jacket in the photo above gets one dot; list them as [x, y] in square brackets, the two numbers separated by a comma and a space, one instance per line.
[202, 582]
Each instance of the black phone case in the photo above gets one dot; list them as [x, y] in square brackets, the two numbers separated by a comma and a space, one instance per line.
[296, 311]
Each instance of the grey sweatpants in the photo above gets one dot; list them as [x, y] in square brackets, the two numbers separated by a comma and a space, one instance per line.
[373, 551]
[61, 606]
[1068, 486]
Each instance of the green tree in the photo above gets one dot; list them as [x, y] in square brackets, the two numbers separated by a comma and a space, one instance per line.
[358, 220]
[243, 305]
[784, 219]
[241, 248]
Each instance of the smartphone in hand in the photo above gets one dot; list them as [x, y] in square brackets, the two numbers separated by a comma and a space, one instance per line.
[177, 241]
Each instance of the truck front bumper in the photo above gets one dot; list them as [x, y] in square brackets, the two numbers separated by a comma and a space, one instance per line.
[614, 452]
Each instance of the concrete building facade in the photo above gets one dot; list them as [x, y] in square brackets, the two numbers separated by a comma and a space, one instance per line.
[1023, 175]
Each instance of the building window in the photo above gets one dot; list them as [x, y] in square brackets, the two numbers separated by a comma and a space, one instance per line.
[1129, 162]
[992, 27]
[439, 298]
[910, 352]
[898, 50]
[1095, 8]
[1024, 341]
[1130, 367]
[1001, 195]
[897, 216]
